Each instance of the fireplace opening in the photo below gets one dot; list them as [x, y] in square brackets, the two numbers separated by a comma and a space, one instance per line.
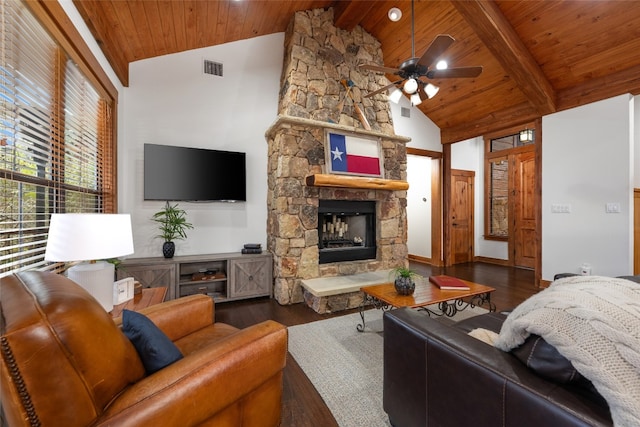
[346, 230]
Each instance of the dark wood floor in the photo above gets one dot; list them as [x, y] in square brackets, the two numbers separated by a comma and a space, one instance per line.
[302, 405]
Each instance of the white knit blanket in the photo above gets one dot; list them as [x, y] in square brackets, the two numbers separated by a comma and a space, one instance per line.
[595, 323]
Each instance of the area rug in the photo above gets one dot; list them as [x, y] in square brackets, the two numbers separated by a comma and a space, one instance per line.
[345, 365]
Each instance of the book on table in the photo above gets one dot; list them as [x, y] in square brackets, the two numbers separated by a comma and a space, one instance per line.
[449, 283]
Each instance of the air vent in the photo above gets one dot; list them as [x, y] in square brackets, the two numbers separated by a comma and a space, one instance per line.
[405, 112]
[213, 68]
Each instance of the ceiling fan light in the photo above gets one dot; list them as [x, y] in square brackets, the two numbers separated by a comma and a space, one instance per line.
[395, 96]
[410, 86]
[415, 99]
[394, 14]
[431, 90]
[442, 65]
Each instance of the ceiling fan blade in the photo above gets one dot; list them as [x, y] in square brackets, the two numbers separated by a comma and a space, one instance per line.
[435, 49]
[450, 73]
[369, 95]
[381, 69]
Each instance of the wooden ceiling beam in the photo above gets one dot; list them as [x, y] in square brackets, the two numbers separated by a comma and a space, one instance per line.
[500, 38]
[614, 84]
[348, 14]
[517, 114]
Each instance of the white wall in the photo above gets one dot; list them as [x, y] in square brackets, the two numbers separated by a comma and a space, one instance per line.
[423, 132]
[587, 157]
[425, 135]
[170, 101]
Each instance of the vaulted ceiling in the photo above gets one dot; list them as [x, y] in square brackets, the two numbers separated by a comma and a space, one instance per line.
[538, 56]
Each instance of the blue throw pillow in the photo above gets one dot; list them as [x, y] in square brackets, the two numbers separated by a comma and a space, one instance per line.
[155, 349]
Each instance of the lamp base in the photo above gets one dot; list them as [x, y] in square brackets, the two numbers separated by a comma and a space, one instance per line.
[97, 279]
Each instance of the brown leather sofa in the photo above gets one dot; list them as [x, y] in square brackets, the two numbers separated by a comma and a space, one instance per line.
[436, 375]
[65, 362]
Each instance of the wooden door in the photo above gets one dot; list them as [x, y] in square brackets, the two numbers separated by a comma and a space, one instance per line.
[524, 210]
[461, 216]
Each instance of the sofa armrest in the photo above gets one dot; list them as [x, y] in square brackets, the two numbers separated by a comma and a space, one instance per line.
[436, 374]
[206, 382]
[180, 317]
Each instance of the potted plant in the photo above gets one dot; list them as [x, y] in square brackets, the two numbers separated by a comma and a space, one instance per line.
[404, 283]
[173, 225]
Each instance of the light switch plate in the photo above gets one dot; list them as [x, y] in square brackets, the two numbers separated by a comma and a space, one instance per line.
[612, 208]
[560, 208]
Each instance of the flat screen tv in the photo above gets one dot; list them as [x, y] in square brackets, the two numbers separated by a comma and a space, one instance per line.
[193, 174]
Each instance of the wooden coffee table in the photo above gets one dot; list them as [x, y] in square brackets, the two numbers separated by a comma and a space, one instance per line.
[449, 302]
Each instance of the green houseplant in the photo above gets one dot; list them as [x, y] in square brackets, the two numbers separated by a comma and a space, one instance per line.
[404, 280]
[173, 225]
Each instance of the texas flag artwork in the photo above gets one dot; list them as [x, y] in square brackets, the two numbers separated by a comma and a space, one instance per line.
[354, 155]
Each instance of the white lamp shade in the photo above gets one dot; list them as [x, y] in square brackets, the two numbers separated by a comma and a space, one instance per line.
[415, 99]
[431, 90]
[395, 96]
[86, 237]
[410, 86]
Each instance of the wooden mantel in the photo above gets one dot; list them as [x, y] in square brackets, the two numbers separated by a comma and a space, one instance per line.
[347, 181]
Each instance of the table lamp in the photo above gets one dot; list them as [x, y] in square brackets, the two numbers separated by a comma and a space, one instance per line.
[90, 237]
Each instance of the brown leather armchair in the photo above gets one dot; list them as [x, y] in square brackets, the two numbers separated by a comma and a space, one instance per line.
[66, 362]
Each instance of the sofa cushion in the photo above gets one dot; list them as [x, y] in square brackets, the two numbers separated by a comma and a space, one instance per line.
[154, 348]
[537, 354]
[546, 361]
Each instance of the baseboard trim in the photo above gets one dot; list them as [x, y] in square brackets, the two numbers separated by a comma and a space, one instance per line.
[420, 259]
[503, 262]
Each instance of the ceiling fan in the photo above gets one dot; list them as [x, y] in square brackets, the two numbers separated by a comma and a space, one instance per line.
[415, 70]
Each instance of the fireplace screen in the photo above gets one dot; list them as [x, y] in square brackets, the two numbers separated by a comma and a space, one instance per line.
[346, 230]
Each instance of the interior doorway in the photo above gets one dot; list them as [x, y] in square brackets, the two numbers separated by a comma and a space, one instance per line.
[512, 197]
[424, 206]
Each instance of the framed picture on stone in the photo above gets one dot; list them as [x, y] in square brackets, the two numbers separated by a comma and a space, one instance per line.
[352, 154]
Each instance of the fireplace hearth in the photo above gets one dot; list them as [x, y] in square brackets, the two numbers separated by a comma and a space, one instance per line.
[346, 230]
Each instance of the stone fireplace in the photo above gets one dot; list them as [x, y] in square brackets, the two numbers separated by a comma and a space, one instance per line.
[317, 57]
[346, 230]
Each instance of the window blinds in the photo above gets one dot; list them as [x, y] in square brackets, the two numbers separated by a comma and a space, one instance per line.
[55, 139]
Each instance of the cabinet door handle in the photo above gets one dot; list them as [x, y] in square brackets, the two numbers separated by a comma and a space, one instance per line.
[250, 277]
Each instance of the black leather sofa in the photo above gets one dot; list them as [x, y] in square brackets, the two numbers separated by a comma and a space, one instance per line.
[436, 375]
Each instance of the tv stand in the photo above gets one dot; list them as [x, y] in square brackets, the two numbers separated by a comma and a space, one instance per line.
[224, 277]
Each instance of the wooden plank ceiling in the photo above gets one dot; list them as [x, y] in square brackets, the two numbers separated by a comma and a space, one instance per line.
[538, 56]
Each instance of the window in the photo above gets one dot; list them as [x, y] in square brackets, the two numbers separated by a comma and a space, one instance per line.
[499, 181]
[56, 143]
[499, 197]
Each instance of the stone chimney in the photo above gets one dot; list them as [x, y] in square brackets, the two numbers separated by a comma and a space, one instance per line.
[317, 57]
